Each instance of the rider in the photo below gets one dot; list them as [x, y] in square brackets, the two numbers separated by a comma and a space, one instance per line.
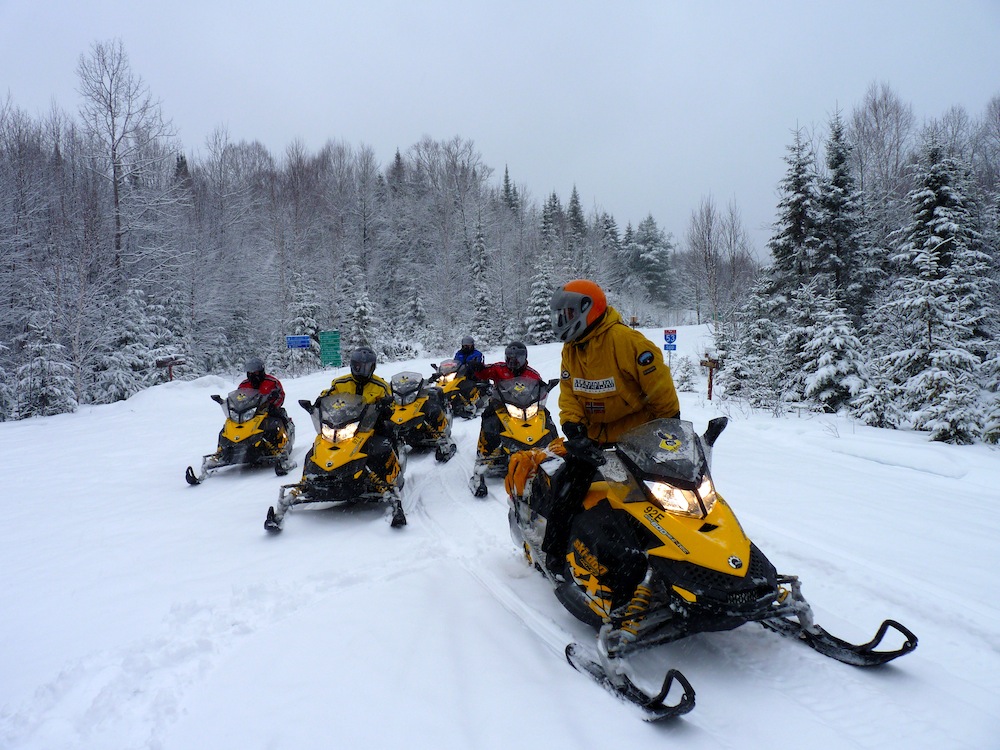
[363, 381]
[468, 354]
[269, 387]
[613, 378]
[515, 365]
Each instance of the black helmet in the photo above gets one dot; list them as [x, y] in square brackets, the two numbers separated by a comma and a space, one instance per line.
[255, 371]
[362, 363]
[516, 356]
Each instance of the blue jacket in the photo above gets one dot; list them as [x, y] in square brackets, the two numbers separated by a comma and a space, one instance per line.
[474, 356]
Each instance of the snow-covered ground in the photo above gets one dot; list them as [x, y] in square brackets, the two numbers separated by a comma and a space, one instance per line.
[139, 612]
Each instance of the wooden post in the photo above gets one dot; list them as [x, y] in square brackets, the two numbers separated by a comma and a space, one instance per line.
[169, 363]
[712, 365]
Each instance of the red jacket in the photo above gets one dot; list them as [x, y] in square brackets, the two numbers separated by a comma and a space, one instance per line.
[271, 387]
[499, 371]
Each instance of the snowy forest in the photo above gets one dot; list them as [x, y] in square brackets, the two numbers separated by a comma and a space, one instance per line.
[119, 251]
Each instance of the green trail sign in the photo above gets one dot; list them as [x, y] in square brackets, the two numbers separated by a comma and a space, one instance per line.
[329, 348]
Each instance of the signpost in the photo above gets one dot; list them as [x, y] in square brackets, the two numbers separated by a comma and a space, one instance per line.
[712, 365]
[329, 348]
[670, 337]
[169, 363]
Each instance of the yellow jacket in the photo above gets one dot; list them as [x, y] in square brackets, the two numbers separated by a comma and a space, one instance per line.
[373, 391]
[613, 379]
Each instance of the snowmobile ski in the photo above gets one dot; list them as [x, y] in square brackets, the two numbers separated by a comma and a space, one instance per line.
[863, 655]
[191, 478]
[652, 707]
[272, 523]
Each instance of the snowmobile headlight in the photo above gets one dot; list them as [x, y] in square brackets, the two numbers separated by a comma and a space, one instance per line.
[697, 503]
[522, 414]
[340, 434]
[450, 377]
[242, 417]
[706, 493]
[674, 500]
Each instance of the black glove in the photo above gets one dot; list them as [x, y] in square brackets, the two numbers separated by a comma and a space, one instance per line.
[471, 368]
[579, 445]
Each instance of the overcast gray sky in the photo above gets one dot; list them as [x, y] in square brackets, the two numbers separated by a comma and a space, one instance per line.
[646, 107]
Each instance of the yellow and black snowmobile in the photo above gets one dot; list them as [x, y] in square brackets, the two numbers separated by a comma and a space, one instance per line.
[656, 554]
[524, 423]
[420, 418]
[252, 435]
[352, 460]
[465, 396]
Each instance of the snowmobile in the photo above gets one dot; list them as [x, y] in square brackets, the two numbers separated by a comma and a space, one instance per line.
[467, 397]
[336, 469]
[420, 418]
[655, 554]
[524, 423]
[251, 435]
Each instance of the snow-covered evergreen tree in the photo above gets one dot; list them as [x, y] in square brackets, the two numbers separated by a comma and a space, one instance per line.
[874, 405]
[801, 318]
[837, 224]
[793, 245]
[685, 374]
[539, 320]
[654, 261]
[361, 331]
[482, 309]
[125, 363]
[7, 399]
[939, 295]
[751, 367]
[304, 311]
[45, 381]
[833, 358]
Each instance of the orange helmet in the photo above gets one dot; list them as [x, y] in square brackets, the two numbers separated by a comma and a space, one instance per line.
[575, 307]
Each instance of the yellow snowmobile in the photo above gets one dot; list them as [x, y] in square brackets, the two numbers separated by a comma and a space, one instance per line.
[656, 554]
[420, 418]
[524, 423]
[252, 435]
[339, 467]
[466, 397]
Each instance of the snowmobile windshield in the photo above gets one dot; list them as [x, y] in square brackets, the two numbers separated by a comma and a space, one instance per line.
[667, 458]
[523, 397]
[406, 387]
[340, 415]
[241, 405]
[448, 370]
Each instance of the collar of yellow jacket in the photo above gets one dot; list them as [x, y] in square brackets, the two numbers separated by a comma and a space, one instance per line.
[611, 317]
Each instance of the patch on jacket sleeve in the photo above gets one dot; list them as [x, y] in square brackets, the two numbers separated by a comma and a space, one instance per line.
[646, 358]
[565, 375]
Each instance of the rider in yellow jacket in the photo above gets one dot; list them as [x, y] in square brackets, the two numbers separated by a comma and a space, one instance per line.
[613, 379]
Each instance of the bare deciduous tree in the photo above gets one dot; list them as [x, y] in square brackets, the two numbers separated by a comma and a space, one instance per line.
[123, 119]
